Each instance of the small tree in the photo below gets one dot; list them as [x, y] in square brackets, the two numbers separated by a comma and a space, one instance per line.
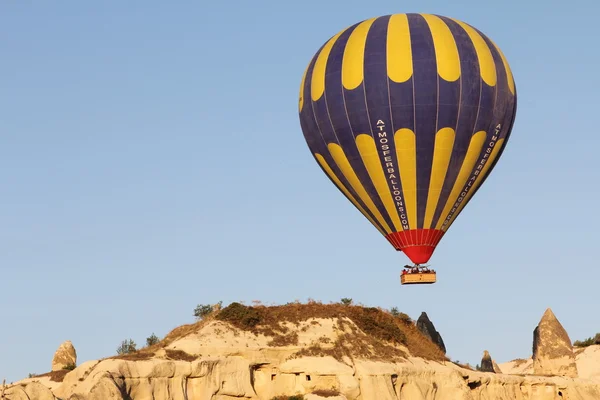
[202, 310]
[346, 301]
[152, 339]
[395, 312]
[126, 347]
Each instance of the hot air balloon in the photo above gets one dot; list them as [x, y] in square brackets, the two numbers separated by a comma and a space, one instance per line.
[407, 114]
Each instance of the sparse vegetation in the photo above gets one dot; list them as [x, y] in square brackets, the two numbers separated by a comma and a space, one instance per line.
[239, 315]
[519, 361]
[69, 367]
[202, 311]
[346, 301]
[127, 346]
[55, 376]
[152, 340]
[179, 355]
[367, 332]
[465, 366]
[394, 312]
[326, 393]
[405, 318]
[588, 342]
[138, 355]
[284, 340]
[370, 320]
[378, 335]
[373, 322]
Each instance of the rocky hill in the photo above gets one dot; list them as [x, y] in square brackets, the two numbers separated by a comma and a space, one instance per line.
[299, 351]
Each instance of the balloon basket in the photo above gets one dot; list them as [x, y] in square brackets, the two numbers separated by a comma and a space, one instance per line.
[418, 276]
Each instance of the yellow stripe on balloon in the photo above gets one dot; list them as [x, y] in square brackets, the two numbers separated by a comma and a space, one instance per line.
[399, 50]
[478, 180]
[471, 158]
[344, 165]
[318, 76]
[442, 151]
[368, 153]
[487, 66]
[446, 51]
[406, 153]
[301, 97]
[509, 75]
[354, 56]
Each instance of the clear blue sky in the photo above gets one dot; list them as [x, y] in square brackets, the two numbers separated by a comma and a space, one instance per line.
[151, 159]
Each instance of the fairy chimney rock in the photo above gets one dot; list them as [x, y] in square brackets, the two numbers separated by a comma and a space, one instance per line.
[487, 365]
[552, 348]
[65, 356]
[427, 328]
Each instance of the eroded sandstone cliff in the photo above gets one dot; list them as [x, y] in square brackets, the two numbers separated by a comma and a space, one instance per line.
[238, 377]
[259, 354]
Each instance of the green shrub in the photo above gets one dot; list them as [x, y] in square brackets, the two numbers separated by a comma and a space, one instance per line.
[346, 301]
[588, 342]
[202, 310]
[127, 346]
[240, 315]
[151, 340]
[583, 343]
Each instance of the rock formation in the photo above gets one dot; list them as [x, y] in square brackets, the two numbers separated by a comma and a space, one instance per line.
[242, 378]
[428, 329]
[552, 348]
[487, 364]
[28, 391]
[64, 357]
[346, 354]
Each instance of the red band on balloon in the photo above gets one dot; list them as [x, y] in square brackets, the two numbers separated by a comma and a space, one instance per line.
[417, 244]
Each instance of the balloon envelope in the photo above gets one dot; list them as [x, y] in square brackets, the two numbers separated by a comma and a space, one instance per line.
[407, 114]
